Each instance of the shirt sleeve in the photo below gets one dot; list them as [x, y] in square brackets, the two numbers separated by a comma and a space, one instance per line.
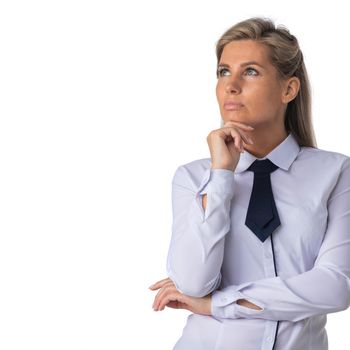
[323, 289]
[197, 244]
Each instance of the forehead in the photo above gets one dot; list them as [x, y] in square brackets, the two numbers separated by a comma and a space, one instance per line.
[239, 51]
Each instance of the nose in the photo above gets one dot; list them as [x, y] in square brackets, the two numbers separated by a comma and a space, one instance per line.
[233, 85]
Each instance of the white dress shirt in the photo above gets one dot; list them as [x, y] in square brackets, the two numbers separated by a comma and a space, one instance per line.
[297, 276]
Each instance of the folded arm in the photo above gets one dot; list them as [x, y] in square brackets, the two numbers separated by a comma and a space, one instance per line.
[323, 289]
[197, 244]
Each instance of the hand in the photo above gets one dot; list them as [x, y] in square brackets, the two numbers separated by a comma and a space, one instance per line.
[168, 295]
[226, 144]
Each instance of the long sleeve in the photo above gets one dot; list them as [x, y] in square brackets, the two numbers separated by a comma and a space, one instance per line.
[197, 244]
[323, 289]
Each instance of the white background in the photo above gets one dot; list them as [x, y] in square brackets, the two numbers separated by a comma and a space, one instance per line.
[100, 102]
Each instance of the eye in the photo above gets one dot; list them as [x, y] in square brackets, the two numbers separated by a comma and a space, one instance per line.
[250, 69]
[219, 71]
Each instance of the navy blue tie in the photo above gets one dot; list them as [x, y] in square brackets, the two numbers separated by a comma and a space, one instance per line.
[262, 216]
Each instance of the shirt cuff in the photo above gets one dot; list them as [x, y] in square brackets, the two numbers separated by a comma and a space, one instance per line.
[223, 304]
[219, 180]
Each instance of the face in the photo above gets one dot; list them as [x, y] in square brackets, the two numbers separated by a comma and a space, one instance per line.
[247, 77]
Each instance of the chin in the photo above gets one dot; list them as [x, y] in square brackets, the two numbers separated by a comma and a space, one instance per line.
[235, 119]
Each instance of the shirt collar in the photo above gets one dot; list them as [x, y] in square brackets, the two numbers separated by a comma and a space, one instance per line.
[282, 155]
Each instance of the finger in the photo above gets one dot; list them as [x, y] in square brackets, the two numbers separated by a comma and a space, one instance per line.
[231, 146]
[237, 139]
[173, 296]
[161, 294]
[245, 137]
[166, 290]
[230, 135]
[240, 124]
[159, 284]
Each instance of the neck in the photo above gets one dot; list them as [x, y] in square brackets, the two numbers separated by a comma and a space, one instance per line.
[265, 140]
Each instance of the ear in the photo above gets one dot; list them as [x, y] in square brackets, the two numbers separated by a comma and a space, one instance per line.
[291, 89]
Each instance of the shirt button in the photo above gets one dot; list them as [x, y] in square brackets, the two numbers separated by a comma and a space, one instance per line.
[223, 299]
[268, 255]
[269, 339]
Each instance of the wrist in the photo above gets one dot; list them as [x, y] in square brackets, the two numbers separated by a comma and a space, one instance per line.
[246, 303]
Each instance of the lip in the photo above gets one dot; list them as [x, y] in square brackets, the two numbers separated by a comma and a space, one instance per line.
[232, 106]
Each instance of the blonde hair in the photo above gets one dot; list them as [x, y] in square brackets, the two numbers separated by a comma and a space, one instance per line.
[287, 58]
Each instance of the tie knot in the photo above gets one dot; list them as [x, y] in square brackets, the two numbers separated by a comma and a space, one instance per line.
[264, 166]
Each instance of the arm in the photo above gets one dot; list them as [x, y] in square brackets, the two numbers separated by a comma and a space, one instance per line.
[197, 244]
[323, 289]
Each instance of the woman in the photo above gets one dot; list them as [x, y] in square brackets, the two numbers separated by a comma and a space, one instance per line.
[260, 238]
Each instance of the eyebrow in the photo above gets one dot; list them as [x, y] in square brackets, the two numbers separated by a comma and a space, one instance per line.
[242, 64]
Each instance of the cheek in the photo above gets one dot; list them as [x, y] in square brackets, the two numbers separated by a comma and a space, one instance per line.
[220, 94]
[267, 96]
[218, 90]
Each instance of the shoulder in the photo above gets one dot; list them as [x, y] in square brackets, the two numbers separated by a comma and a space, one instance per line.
[191, 174]
[324, 165]
[324, 158]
